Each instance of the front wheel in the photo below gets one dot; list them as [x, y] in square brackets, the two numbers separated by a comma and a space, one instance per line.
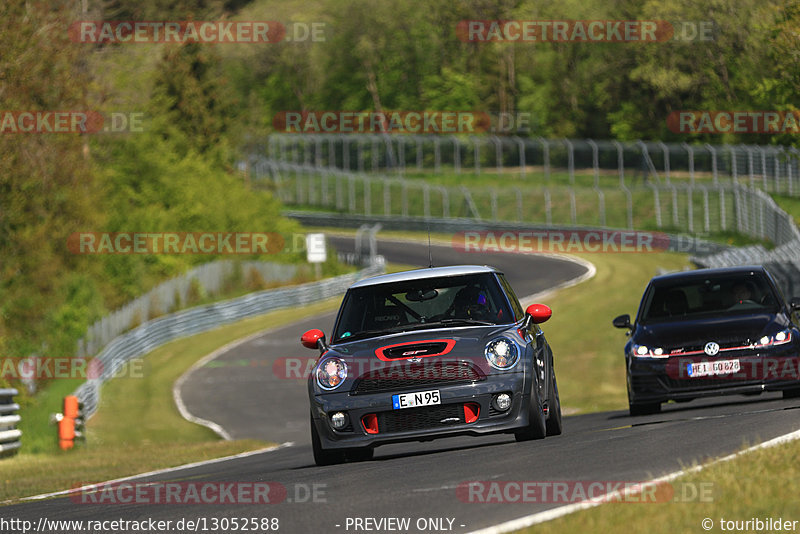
[324, 456]
[644, 408]
[554, 426]
[537, 425]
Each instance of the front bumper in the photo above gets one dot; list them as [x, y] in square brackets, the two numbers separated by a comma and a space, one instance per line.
[663, 379]
[421, 424]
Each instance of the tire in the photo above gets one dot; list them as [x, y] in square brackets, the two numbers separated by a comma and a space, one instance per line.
[644, 408]
[791, 393]
[362, 454]
[324, 456]
[554, 426]
[537, 425]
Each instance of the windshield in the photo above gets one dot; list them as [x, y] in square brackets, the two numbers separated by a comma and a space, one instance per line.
[453, 301]
[702, 297]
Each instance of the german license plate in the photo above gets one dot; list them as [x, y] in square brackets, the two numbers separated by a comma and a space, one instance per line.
[720, 367]
[415, 400]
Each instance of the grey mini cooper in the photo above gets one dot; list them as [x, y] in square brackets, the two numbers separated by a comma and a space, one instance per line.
[430, 353]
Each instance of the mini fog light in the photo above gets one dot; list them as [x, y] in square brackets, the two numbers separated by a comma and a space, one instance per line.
[502, 401]
[338, 420]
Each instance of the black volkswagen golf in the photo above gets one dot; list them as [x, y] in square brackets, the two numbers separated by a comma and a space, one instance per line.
[711, 332]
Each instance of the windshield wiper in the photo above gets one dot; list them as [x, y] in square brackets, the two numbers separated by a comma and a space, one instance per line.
[466, 322]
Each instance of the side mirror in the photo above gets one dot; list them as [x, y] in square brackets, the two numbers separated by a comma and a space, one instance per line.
[313, 339]
[795, 303]
[623, 321]
[539, 313]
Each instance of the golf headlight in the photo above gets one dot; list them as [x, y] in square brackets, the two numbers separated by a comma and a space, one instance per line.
[784, 336]
[331, 372]
[643, 351]
[502, 353]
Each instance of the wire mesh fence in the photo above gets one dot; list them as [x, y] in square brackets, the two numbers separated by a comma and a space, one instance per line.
[574, 162]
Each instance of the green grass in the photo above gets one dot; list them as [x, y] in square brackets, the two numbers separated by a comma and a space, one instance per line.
[137, 427]
[790, 205]
[759, 484]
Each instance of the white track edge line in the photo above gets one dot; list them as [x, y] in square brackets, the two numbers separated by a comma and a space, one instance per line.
[548, 515]
[153, 473]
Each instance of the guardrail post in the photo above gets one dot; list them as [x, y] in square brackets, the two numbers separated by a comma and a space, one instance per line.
[9, 434]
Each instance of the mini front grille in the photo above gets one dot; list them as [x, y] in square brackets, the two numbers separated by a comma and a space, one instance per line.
[420, 418]
[416, 376]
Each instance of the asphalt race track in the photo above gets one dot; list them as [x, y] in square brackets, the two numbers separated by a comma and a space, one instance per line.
[420, 481]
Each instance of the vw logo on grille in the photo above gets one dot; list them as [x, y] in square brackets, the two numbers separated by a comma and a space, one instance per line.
[711, 348]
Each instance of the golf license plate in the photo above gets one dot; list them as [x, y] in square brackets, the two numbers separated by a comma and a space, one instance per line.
[720, 367]
[415, 400]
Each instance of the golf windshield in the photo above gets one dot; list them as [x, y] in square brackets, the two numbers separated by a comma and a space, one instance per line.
[709, 296]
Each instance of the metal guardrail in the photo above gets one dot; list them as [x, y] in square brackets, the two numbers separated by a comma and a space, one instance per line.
[156, 332]
[9, 433]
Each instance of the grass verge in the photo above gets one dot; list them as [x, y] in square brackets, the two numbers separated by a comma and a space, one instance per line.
[760, 484]
[137, 427]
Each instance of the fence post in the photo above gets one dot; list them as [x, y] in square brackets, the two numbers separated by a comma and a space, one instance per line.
[657, 206]
[519, 203]
[675, 218]
[706, 213]
[722, 201]
[620, 163]
[665, 150]
[570, 161]
[690, 151]
[601, 205]
[521, 145]
[595, 162]
[546, 158]
[548, 207]
[713, 152]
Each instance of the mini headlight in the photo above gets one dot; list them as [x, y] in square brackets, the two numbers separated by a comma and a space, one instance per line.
[502, 353]
[331, 372]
